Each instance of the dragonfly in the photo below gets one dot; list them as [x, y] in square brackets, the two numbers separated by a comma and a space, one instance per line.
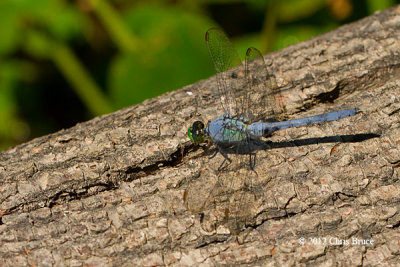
[251, 106]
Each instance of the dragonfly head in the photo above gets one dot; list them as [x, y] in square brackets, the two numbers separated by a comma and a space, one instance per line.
[195, 132]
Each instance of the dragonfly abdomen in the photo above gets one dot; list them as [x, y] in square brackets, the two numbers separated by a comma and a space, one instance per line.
[264, 128]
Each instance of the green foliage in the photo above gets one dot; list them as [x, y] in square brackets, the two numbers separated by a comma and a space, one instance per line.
[11, 124]
[374, 5]
[167, 58]
[296, 34]
[292, 10]
[115, 53]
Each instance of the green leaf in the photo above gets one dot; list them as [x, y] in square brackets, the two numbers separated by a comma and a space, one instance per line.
[11, 127]
[172, 54]
[292, 35]
[292, 10]
[37, 44]
[374, 5]
[9, 31]
[68, 23]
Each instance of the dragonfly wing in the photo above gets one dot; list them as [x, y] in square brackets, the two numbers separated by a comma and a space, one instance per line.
[263, 101]
[228, 191]
[229, 69]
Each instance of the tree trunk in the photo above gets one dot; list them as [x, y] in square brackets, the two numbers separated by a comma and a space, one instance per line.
[129, 188]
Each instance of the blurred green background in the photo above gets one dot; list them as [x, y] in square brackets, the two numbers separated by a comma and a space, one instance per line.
[66, 61]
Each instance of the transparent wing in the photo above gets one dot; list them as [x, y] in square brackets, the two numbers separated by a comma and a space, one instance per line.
[227, 189]
[229, 69]
[262, 100]
[230, 197]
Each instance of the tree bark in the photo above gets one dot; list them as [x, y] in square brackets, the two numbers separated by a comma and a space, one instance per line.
[129, 188]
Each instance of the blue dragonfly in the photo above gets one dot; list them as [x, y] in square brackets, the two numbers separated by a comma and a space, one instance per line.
[247, 101]
[252, 108]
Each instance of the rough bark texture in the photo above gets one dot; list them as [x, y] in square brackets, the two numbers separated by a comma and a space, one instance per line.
[117, 190]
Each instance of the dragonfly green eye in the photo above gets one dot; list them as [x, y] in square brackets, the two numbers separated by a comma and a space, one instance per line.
[195, 132]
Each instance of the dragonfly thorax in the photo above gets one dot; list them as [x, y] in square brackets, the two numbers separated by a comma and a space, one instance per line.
[227, 129]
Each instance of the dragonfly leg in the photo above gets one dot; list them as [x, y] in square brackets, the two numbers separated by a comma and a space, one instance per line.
[214, 154]
[206, 148]
[252, 161]
[221, 167]
[224, 154]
